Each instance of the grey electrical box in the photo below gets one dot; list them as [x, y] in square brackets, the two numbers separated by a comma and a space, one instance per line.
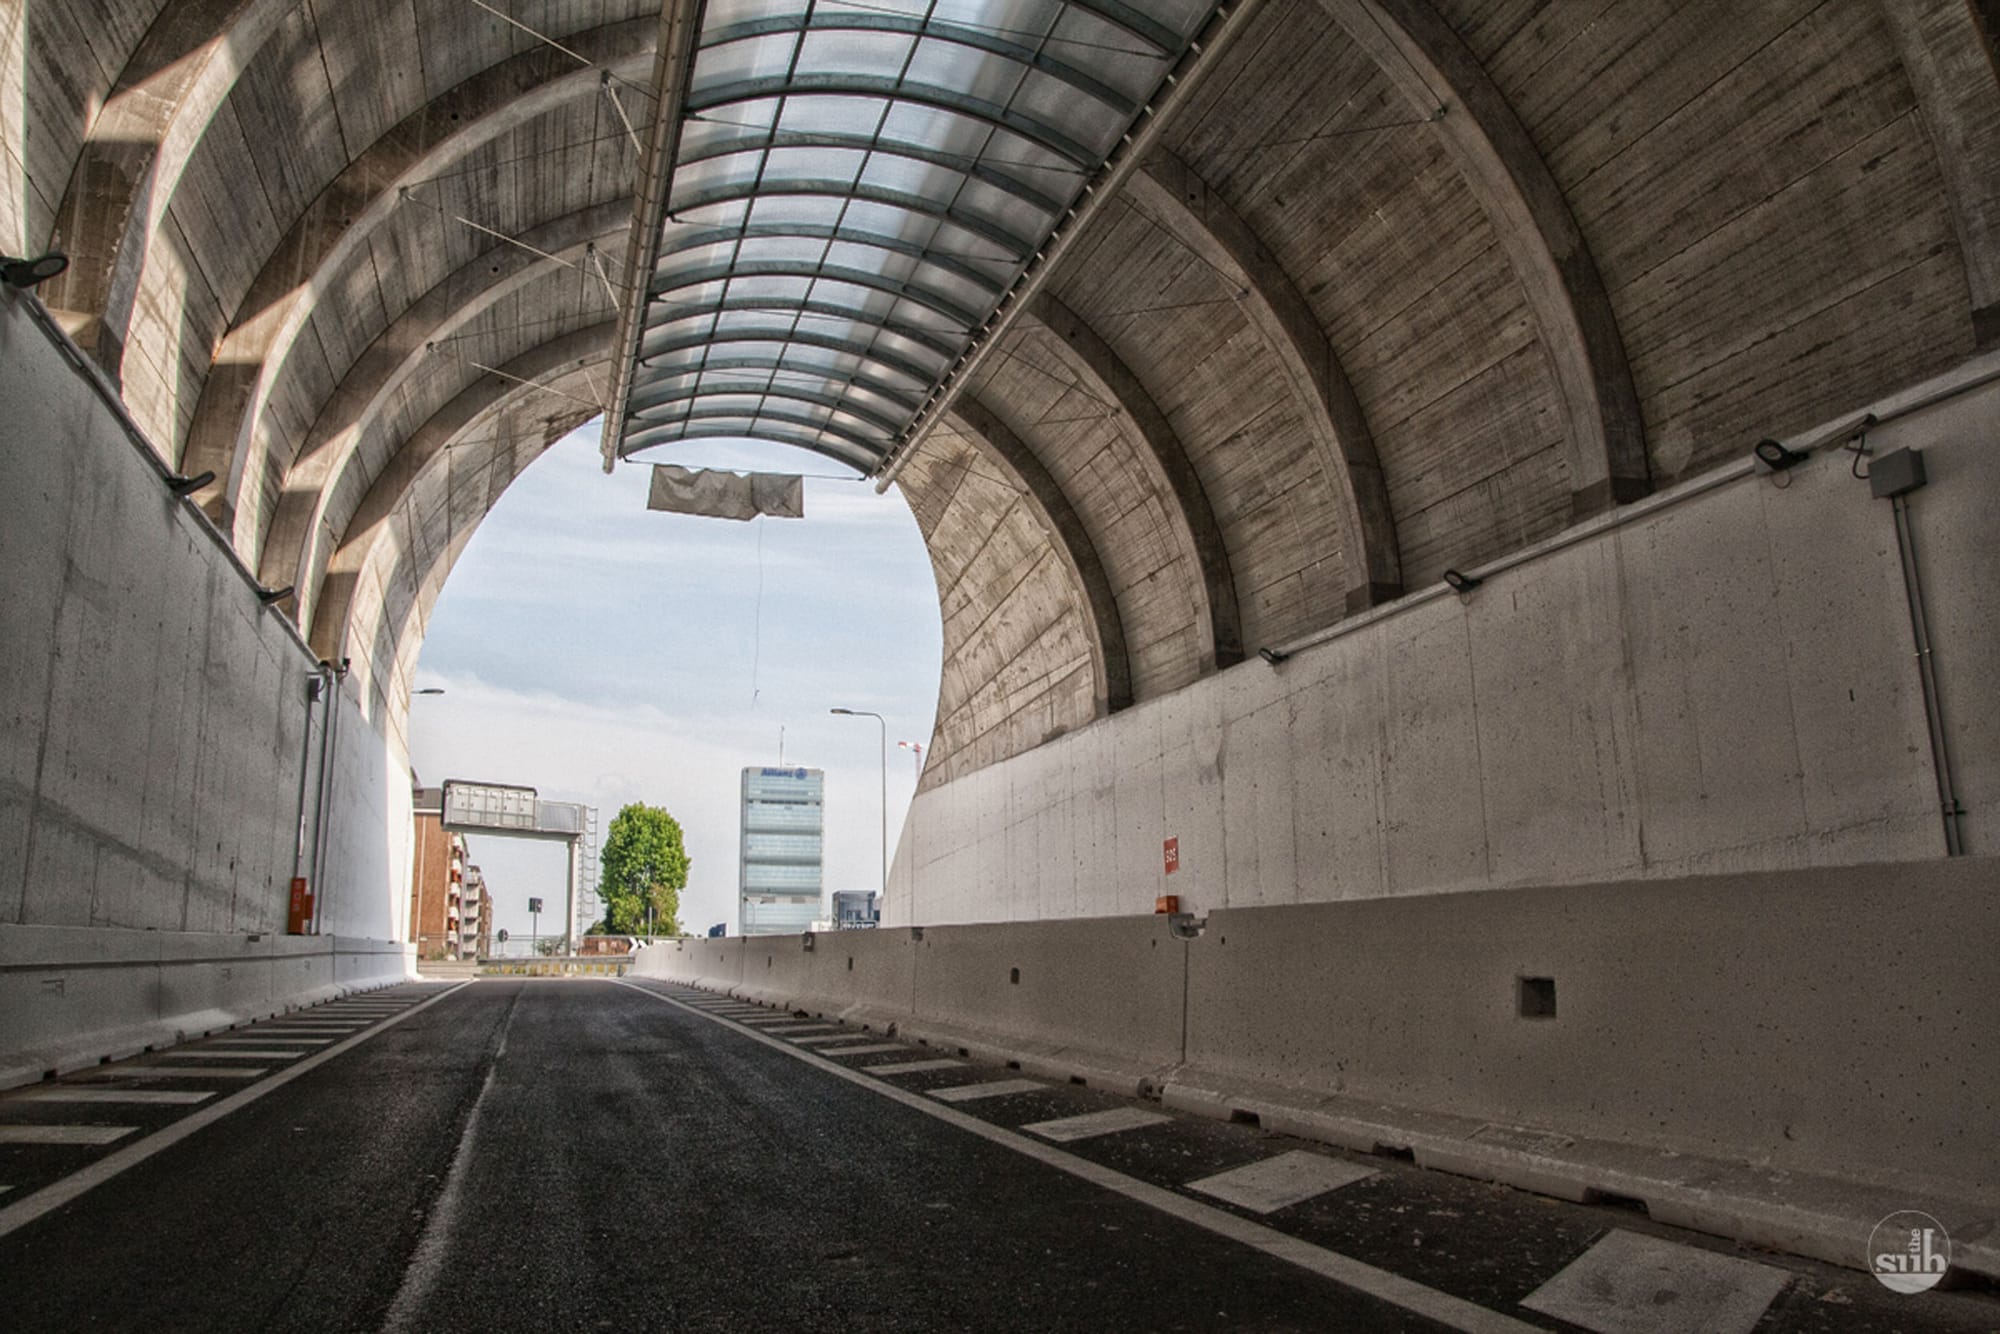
[1895, 474]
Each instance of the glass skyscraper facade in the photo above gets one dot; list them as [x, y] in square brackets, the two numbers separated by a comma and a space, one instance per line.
[784, 818]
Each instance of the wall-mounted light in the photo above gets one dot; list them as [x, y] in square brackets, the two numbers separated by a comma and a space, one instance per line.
[270, 596]
[20, 272]
[429, 690]
[187, 486]
[1272, 656]
[1775, 456]
[1460, 582]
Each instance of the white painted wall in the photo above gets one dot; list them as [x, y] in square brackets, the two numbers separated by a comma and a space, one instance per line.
[155, 725]
[1718, 680]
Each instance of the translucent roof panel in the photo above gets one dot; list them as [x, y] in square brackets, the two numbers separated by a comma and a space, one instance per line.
[858, 184]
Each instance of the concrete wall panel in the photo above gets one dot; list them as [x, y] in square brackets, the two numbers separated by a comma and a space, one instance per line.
[1819, 1029]
[1825, 1020]
[1721, 679]
[150, 775]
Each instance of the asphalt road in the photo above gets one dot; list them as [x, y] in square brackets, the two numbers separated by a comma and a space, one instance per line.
[558, 1155]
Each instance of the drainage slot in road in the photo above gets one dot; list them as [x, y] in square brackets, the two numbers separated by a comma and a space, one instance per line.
[1401, 1153]
[1238, 1116]
[1014, 976]
[1013, 1065]
[1611, 1199]
[1079, 1080]
[1537, 996]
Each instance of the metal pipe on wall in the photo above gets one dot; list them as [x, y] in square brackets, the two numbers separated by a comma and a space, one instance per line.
[314, 687]
[332, 676]
[1920, 634]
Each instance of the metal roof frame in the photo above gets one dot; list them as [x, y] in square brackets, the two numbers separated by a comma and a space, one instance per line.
[747, 389]
[828, 154]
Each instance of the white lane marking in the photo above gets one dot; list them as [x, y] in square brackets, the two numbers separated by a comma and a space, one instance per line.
[169, 1072]
[1092, 1124]
[179, 1097]
[789, 1029]
[872, 1049]
[770, 1019]
[1633, 1284]
[259, 1053]
[53, 1196]
[838, 1037]
[299, 1026]
[426, 1262]
[256, 1039]
[999, 1088]
[63, 1134]
[1344, 1270]
[1289, 1178]
[912, 1067]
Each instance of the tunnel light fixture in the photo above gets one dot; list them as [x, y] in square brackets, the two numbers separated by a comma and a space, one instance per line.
[1272, 655]
[187, 486]
[1460, 582]
[272, 596]
[20, 272]
[1775, 456]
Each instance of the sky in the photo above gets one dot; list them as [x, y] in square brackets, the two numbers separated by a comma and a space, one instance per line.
[603, 653]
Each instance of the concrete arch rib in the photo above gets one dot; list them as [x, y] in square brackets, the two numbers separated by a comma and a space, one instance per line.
[478, 467]
[226, 434]
[1112, 667]
[1420, 53]
[1217, 621]
[138, 146]
[559, 359]
[337, 460]
[1169, 192]
[1949, 51]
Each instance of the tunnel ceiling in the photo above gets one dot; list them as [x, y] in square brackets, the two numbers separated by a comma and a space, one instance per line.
[855, 188]
[1184, 329]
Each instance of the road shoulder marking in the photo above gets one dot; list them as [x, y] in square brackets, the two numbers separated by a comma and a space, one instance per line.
[1406, 1293]
[58, 1193]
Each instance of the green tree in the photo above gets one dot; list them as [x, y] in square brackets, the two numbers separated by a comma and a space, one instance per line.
[645, 869]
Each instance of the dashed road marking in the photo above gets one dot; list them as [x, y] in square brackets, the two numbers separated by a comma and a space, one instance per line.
[53, 1196]
[789, 1029]
[913, 1067]
[170, 1097]
[1287, 1179]
[1633, 1284]
[246, 1054]
[998, 1088]
[1357, 1275]
[837, 1037]
[1090, 1125]
[873, 1049]
[64, 1134]
[257, 1039]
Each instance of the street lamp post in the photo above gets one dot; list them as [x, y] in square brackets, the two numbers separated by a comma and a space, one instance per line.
[863, 713]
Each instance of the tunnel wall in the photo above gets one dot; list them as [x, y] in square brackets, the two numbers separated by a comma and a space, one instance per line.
[155, 737]
[1831, 1023]
[1721, 678]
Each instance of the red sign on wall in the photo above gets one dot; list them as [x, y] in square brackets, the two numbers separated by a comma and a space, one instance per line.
[298, 914]
[1172, 852]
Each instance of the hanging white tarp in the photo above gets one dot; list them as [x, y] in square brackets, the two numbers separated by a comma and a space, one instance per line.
[720, 494]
